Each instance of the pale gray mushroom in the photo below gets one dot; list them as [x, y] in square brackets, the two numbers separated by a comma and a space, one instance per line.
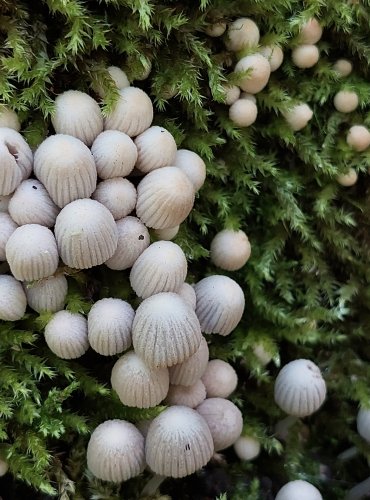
[16, 159]
[49, 294]
[346, 101]
[247, 447]
[187, 293]
[230, 250]
[4, 202]
[343, 67]
[363, 423]
[242, 33]
[243, 112]
[305, 56]
[167, 234]
[348, 179]
[258, 76]
[192, 369]
[10, 173]
[182, 395]
[13, 302]
[115, 154]
[298, 116]
[232, 94]
[66, 335]
[7, 228]
[263, 356]
[358, 138]
[220, 379]
[118, 195]
[137, 384]
[193, 167]
[119, 78]
[311, 31]
[156, 148]
[9, 119]
[274, 54]
[86, 234]
[298, 489]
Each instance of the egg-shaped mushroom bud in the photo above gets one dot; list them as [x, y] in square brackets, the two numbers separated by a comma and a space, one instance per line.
[156, 148]
[77, 114]
[178, 442]
[118, 195]
[13, 300]
[7, 228]
[232, 94]
[345, 101]
[274, 54]
[220, 304]
[300, 389]
[358, 138]
[4, 202]
[119, 78]
[216, 29]
[220, 379]
[187, 293]
[258, 74]
[166, 330]
[16, 160]
[109, 326]
[348, 179]
[66, 335]
[242, 33]
[230, 250]
[363, 423]
[9, 119]
[115, 154]
[115, 451]
[31, 204]
[298, 116]
[66, 168]
[343, 67]
[224, 420]
[263, 356]
[137, 384]
[86, 234]
[192, 369]
[192, 166]
[183, 395]
[165, 198]
[243, 112]
[32, 253]
[167, 234]
[145, 70]
[132, 114]
[305, 56]
[298, 489]
[49, 294]
[311, 32]
[247, 447]
[162, 267]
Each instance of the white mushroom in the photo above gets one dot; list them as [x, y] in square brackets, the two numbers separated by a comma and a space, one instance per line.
[311, 31]
[243, 112]
[242, 33]
[167, 234]
[298, 116]
[115, 154]
[274, 54]
[343, 67]
[305, 56]
[263, 356]
[119, 78]
[363, 423]
[187, 293]
[16, 160]
[192, 166]
[345, 101]
[156, 148]
[7, 228]
[258, 74]
[9, 119]
[230, 250]
[348, 179]
[232, 94]
[192, 369]
[358, 138]
[247, 447]
[219, 379]
[118, 195]
[49, 294]
[66, 335]
[182, 395]
[13, 300]
[298, 489]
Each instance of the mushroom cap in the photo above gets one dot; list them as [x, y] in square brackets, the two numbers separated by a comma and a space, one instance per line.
[4, 466]
[220, 304]
[192, 166]
[345, 101]
[166, 330]
[9, 119]
[118, 195]
[216, 29]
[220, 379]
[115, 451]
[232, 94]
[274, 54]
[162, 267]
[243, 112]
[300, 389]
[86, 234]
[242, 33]
[77, 114]
[178, 442]
[165, 198]
[137, 384]
[145, 72]
[187, 293]
[66, 335]
[261, 354]
[66, 168]
[250, 97]
[247, 447]
[363, 423]
[298, 116]
[305, 56]
[259, 73]
[230, 250]
[48, 294]
[224, 420]
[31, 204]
[183, 395]
[4, 202]
[132, 114]
[7, 228]
[167, 234]
[133, 239]
[156, 148]
[13, 300]
[118, 76]
[343, 67]
[115, 154]
[32, 253]
[109, 326]
[298, 489]
[191, 370]
[311, 31]
[16, 160]
[348, 179]
[358, 138]
[10, 173]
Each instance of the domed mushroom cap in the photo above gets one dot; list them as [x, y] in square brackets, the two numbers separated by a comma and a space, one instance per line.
[4, 202]
[13, 300]
[358, 138]
[31, 204]
[109, 326]
[132, 114]
[118, 195]
[242, 33]
[232, 94]
[263, 356]
[300, 389]
[311, 31]
[192, 166]
[66, 167]
[10, 173]
[182, 395]
[86, 234]
[32, 253]
[48, 294]
[66, 335]
[7, 228]
[298, 116]
[9, 119]
[137, 384]
[216, 29]
[243, 112]
[165, 198]
[16, 160]
[119, 78]
[363, 423]
[224, 420]
[115, 154]
[178, 442]
[167, 234]
[116, 451]
[133, 239]
[162, 267]
[274, 54]
[230, 250]
[156, 148]
[348, 179]
[219, 379]
[187, 293]
[305, 56]
[77, 114]
[247, 447]
[259, 73]
[3, 467]
[343, 67]
[298, 489]
[166, 330]
[345, 101]
[191, 370]
[220, 304]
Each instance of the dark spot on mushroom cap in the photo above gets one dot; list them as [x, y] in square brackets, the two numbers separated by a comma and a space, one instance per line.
[141, 237]
[187, 447]
[34, 187]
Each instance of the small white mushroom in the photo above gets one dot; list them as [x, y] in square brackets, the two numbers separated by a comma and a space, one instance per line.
[230, 250]
[4, 467]
[49, 294]
[182, 395]
[118, 195]
[261, 354]
[298, 489]
[358, 138]
[343, 67]
[247, 447]
[66, 335]
[13, 300]
[242, 33]
[16, 160]
[118, 76]
[115, 154]
[219, 379]
[243, 112]
[156, 148]
[4, 202]
[187, 293]
[232, 94]
[192, 166]
[216, 29]
[7, 228]
[274, 54]
[311, 32]
[167, 234]
[348, 179]
[9, 119]
[298, 116]
[363, 423]
[305, 56]
[345, 101]
[258, 74]
[191, 370]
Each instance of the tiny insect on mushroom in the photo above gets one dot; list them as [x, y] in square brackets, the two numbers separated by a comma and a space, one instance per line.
[182, 395]
[243, 112]
[230, 250]
[305, 56]
[192, 369]
[232, 94]
[187, 293]
[156, 148]
[13, 302]
[298, 116]
[311, 32]
[7, 228]
[47, 295]
[9, 119]
[247, 447]
[114, 153]
[345, 101]
[167, 234]
[192, 165]
[258, 74]
[216, 29]
[242, 33]
[66, 335]
[118, 195]
[274, 54]
[348, 179]
[219, 379]
[298, 489]
[358, 138]
[343, 67]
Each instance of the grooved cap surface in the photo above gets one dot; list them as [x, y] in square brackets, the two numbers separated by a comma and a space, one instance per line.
[7, 228]
[66, 335]
[191, 370]
[48, 294]
[156, 148]
[13, 300]
[115, 154]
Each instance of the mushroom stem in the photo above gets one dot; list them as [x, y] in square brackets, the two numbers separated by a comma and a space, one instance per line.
[152, 485]
[359, 491]
[348, 454]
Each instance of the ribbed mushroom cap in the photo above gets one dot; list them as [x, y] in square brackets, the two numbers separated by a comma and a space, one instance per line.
[137, 384]
[224, 420]
[300, 389]
[166, 330]
[358, 138]
[133, 239]
[165, 198]
[298, 489]
[4, 202]
[348, 179]
[191, 370]
[66, 168]
[118, 195]
[298, 116]
[48, 294]
[343, 67]
[311, 32]
[10, 173]
[259, 73]
[13, 300]
[119, 78]
[220, 304]
[86, 234]
[183, 395]
[132, 114]
[216, 29]
[230, 250]
[247, 447]
[16, 160]
[187, 293]
[274, 54]
[77, 114]
[66, 335]
[162, 267]
[243, 112]
[116, 451]
[363, 423]
[9, 119]
[232, 94]
[109, 326]
[7, 228]
[167, 234]
[219, 379]
[242, 33]
[305, 56]
[115, 154]
[192, 166]
[32, 253]
[178, 442]
[31, 204]
[156, 148]
[345, 101]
